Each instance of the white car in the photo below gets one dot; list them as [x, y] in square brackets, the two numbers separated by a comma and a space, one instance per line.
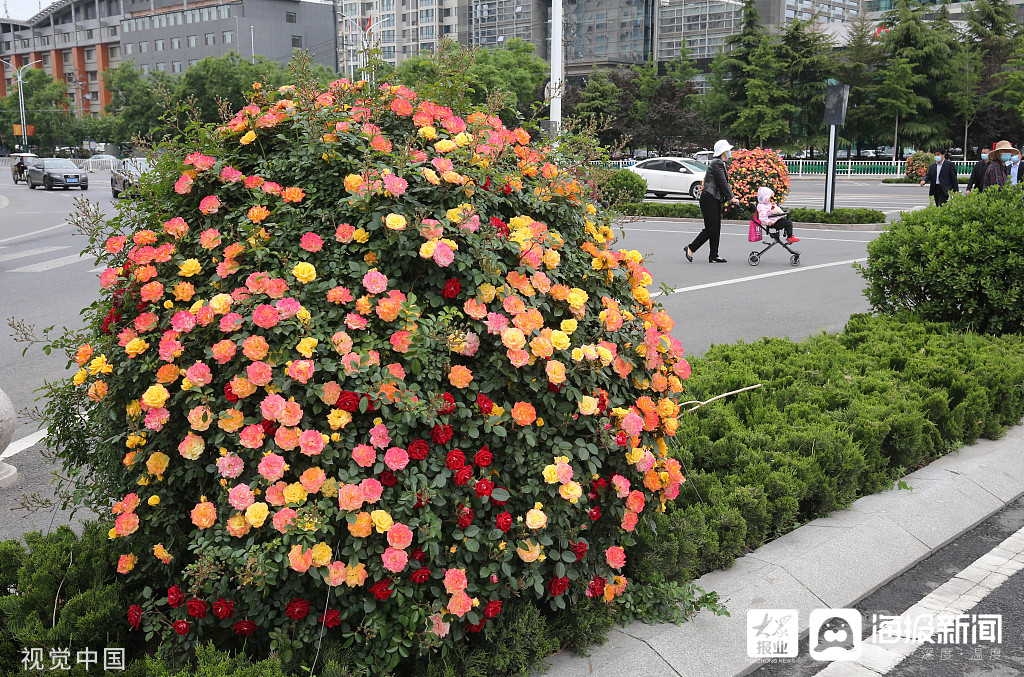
[665, 175]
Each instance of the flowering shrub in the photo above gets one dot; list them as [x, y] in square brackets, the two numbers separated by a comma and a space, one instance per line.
[917, 165]
[751, 169]
[364, 366]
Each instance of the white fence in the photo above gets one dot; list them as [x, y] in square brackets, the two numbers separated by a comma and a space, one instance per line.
[880, 168]
[89, 165]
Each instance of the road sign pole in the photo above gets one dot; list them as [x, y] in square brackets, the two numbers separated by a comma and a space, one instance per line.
[830, 177]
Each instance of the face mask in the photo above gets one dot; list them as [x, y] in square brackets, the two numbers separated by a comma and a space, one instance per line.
[1004, 156]
[728, 154]
[939, 158]
[1016, 159]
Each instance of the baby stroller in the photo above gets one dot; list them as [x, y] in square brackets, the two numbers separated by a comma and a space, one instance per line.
[757, 232]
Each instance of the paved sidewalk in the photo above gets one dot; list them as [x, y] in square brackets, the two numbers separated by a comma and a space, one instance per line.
[830, 562]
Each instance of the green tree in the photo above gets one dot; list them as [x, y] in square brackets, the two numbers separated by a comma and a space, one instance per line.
[136, 102]
[598, 105]
[858, 66]
[46, 109]
[807, 60]
[898, 99]
[219, 83]
[766, 111]
[729, 68]
[992, 33]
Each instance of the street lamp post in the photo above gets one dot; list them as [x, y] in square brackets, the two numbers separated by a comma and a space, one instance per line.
[557, 56]
[21, 99]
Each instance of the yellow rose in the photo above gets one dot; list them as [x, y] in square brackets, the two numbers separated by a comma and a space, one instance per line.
[295, 493]
[112, 534]
[256, 514]
[550, 474]
[221, 303]
[395, 222]
[577, 297]
[634, 455]
[360, 235]
[445, 145]
[571, 491]
[80, 377]
[304, 272]
[248, 138]
[427, 249]
[454, 214]
[463, 139]
[428, 133]
[353, 182]
[486, 291]
[99, 366]
[536, 519]
[559, 339]
[303, 315]
[530, 553]
[588, 405]
[306, 346]
[329, 488]
[577, 354]
[382, 521]
[338, 418]
[136, 347]
[157, 463]
[155, 396]
[189, 267]
[322, 554]
[154, 500]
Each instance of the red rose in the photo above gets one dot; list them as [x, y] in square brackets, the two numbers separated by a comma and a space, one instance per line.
[507, 189]
[134, 616]
[554, 388]
[269, 427]
[451, 288]
[174, 596]
[492, 609]
[449, 403]
[387, 478]
[484, 487]
[229, 393]
[579, 548]
[595, 513]
[483, 457]
[496, 501]
[558, 585]
[348, 401]
[196, 608]
[476, 628]
[455, 459]
[621, 438]
[420, 501]
[244, 628]
[496, 222]
[418, 554]
[602, 402]
[462, 475]
[485, 404]
[382, 589]
[596, 587]
[487, 186]
[223, 609]
[180, 627]
[418, 450]
[504, 521]
[464, 516]
[441, 434]
[421, 575]
[330, 619]
[600, 484]
[297, 609]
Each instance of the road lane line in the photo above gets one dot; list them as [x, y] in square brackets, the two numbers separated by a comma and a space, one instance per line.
[43, 266]
[737, 280]
[27, 442]
[30, 252]
[952, 599]
[34, 232]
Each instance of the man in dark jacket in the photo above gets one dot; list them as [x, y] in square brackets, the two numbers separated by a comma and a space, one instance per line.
[974, 182]
[941, 178]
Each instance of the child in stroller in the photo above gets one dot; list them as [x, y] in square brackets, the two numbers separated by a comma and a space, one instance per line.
[770, 220]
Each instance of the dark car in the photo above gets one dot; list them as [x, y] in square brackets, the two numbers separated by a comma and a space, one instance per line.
[126, 173]
[53, 172]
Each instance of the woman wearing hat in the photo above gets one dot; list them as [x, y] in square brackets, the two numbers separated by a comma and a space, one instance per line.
[996, 171]
[716, 191]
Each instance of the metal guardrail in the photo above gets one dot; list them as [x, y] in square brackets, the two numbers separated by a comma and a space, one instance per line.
[880, 168]
[88, 165]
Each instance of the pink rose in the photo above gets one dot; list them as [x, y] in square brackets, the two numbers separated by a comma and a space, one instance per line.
[272, 467]
[372, 489]
[252, 436]
[199, 374]
[311, 443]
[301, 370]
[311, 242]
[396, 458]
[284, 518]
[265, 316]
[399, 536]
[364, 455]
[395, 559]
[209, 204]
[240, 497]
[350, 497]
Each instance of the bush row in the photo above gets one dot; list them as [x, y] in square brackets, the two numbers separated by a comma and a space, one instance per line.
[798, 214]
[838, 417]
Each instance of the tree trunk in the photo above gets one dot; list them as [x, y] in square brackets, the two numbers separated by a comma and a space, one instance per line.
[895, 140]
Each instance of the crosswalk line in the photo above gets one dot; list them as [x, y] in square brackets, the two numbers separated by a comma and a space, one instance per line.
[29, 252]
[43, 266]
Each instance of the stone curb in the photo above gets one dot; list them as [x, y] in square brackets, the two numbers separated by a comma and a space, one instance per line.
[831, 562]
[8, 473]
[810, 226]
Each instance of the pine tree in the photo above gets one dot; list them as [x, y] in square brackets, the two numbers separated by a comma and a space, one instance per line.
[765, 115]
[991, 36]
[858, 67]
[898, 99]
[729, 81]
[806, 61]
[598, 105]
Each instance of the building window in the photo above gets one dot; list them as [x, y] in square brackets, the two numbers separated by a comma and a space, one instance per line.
[46, 39]
[175, 66]
[192, 40]
[446, 12]
[127, 49]
[223, 11]
[211, 39]
[227, 37]
[175, 43]
[145, 69]
[161, 67]
[93, 76]
[7, 45]
[388, 52]
[89, 34]
[25, 44]
[90, 54]
[114, 51]
[143, 47]
[290, 18]
[426, 15]
[158, 45]
[387, 5]
[113, 31]
[192, 62]
[387, 37]
[297, 41]
[426, 33]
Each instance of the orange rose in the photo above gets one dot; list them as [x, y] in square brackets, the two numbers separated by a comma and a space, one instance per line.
[460, 376]
[524, 413]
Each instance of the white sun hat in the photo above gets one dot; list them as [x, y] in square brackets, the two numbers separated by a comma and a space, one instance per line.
[721, 146]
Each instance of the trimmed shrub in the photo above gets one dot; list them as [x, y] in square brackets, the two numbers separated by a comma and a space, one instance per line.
[917, 165]
[663, 209]
[960, 263]
[352, 371]
[624, 186]
[799, 214]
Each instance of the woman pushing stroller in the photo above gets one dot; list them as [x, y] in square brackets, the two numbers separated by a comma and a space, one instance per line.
[770, 214]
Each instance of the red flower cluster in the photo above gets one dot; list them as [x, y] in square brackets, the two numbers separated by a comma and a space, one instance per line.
[558, 585]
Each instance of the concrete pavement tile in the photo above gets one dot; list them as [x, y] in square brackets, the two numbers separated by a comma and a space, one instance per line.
[884, 657]
[997, 467]
[742, 574]
[569, 664]
[936, 514]
[645, 665]
[846, 669]
[806, 538]
[857, 561]
[1016, 431]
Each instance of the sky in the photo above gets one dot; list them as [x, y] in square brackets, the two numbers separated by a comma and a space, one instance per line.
[22, 9]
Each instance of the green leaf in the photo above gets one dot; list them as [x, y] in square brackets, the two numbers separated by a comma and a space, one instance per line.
[500, 494]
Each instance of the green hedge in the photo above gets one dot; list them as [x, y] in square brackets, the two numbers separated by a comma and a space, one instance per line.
[961, 263]
[798, 214]
[623, 186]
[838, 417]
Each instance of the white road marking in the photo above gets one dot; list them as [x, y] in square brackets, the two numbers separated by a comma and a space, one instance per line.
[953, 598]
[29, 252]
[737, 280]
[18, 446]
[43, 266]
[694, 232]
[34, 232]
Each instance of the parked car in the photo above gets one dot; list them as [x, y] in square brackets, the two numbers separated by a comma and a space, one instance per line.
[672, 175]
[126, 173]
[703, 156]
[56, 172]
[20, 175]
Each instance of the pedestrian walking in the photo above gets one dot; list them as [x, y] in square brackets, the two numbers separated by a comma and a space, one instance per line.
[1013, 171]
[941, 178]
[996, 171]
[977, 173]
[715, 193]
